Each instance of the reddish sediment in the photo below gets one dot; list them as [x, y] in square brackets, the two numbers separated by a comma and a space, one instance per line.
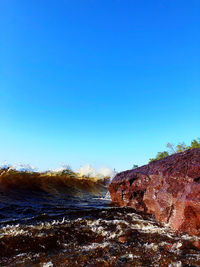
[168, 188]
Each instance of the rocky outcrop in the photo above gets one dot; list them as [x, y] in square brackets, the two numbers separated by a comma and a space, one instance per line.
[168, 188]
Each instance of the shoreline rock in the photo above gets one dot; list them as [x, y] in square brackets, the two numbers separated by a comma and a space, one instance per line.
[168, 188]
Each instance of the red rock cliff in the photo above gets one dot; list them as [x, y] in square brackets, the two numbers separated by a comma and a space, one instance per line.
[168, 188]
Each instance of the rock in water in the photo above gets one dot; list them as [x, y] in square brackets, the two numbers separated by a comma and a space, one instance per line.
[168, 188]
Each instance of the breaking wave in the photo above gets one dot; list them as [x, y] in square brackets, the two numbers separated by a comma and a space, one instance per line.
[61, 181]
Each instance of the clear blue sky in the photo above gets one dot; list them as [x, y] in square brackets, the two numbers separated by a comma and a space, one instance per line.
[105, 82]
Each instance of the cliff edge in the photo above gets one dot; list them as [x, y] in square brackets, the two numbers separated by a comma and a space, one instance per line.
[168, 188]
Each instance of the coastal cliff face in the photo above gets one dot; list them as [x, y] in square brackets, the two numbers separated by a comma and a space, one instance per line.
[168, 188]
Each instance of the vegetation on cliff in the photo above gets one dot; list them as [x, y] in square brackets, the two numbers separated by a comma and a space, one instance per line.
[195, 143]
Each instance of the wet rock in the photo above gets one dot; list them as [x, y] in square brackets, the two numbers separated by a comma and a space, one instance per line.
[168, 188]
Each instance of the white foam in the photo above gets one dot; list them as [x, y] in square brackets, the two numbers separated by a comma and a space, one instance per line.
[64, 167]
[5, 165]
[175, 264]
[137, 223]
[47, 264]
[107, 196]
[176, 247]
[15, 230]
[95, 245]
[18, 167]
[151, 246]
[90, 172]
[96, 227]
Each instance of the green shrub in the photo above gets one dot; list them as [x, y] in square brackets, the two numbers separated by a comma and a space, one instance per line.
[195, 143]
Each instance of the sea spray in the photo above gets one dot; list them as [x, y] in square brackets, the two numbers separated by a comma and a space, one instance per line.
[88, 171]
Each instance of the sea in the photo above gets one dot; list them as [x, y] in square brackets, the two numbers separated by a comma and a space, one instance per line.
[58, 221]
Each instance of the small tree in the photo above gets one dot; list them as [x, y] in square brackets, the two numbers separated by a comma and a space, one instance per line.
[160, 155]
[195, 143]
[181, 147]
[171, 148]
[135, 166]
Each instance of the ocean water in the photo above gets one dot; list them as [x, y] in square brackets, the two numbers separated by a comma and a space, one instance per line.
[59, 221]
